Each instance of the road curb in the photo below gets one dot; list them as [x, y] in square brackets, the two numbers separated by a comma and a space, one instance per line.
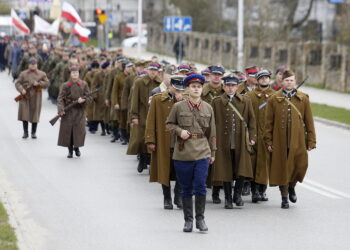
[332, 123]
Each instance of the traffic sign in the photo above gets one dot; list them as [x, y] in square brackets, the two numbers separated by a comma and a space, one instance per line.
[102, 18]
[177, 24]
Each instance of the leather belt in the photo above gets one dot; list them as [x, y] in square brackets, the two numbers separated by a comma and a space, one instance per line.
[196, 136]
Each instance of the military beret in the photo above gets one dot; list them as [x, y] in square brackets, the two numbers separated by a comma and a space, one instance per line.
[33, 60]
[95, 65]
[230, 79]
[105, 65]
[74, 68]
[194, 78]
[217, 70]
[251, 71]
[262, 73]
[177, 81]
[153, 65]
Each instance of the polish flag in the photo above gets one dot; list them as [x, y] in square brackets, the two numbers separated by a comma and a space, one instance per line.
[69, 13]
[82, 32]
[18, 23]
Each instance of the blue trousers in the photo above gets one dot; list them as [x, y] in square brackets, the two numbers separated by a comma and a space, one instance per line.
[192, 176]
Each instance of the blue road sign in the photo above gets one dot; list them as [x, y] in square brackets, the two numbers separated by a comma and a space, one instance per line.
[177, 24]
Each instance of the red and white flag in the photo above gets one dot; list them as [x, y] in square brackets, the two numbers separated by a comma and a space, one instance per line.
[18, 23]
[69, 13]
[82, 32]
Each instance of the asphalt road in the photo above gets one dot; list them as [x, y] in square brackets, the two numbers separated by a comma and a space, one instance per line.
[100, 202]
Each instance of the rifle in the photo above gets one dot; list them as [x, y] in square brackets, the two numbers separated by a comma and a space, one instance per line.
[71, 105]
[37, 90]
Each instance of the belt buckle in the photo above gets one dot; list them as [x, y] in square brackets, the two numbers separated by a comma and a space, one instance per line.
[194, 136]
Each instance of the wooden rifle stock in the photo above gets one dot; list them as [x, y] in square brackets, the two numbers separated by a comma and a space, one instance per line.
[72, 104]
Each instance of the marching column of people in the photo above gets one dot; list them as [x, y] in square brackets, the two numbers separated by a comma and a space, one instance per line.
[219, 129]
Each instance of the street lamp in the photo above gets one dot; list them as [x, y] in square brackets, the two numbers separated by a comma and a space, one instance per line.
[240, 35]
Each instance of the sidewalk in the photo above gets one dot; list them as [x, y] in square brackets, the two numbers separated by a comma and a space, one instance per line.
[321, 96]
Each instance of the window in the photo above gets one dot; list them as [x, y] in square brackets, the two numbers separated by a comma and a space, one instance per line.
[335, 62]
[216, 45]
[196, 42]
[254, 52]
[267, 53]
[315, 57]
[283, 56]
[206, 44]
[228, 47]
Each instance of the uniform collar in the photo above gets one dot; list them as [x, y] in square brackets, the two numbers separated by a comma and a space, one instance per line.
[147, 79]
[32, 72]
[192, 106]
[71, 83]
[165, 96]
[260, 93]
[280, 96]
[225, 98]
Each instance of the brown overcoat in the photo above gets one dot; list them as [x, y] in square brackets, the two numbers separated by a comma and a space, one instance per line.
[99, 99]
[108, 92]
[139, 109]
[209, 93]
[287, 167]
[116, 95]
[261, 158]
[29, 108]
[224, 169]
[73, 122]
[89, 106]
[156, 133]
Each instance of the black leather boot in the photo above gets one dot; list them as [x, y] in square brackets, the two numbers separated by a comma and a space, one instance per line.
[25, 130]
[77, 152]
[103, 128]
[255, 192]
[246, 189]
[167, 197]
[141, 165]
[292, 194]
[70, 152]
[200, 208]
[237, 195]
[216, 195]
[285, 203]
[262, 192]
[123, 137]
[34, 127]
[188, 214]
[116, 135]
[108, 129]
[177, 196]
[228, 195]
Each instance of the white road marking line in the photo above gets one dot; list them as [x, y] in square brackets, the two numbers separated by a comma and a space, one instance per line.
[316, 190]
[328, 189]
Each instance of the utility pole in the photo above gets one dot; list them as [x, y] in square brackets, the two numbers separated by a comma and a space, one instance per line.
[240, 35]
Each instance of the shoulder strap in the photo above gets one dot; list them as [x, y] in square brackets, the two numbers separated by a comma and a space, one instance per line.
[211, 96]
[294, 107]
[238, 114]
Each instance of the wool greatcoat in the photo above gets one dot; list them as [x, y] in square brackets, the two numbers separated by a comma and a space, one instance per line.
[99, 99]
[290, 140]
[73, 122]
[225, 168]
[157, 134]
[261, 159]
[139, 109]
[29, 108]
